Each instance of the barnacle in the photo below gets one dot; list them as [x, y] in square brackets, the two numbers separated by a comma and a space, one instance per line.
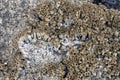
[68, 41]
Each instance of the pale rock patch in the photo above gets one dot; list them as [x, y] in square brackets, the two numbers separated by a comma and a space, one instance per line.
[37, 50]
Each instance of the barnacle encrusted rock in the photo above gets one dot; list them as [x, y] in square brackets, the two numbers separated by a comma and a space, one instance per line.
[78, 42]
[37, 49]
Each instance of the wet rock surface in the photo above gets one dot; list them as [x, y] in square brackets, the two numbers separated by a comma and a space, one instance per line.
[108, 3]
[81, 40]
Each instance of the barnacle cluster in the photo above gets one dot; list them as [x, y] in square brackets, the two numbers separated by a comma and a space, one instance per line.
[72, 42]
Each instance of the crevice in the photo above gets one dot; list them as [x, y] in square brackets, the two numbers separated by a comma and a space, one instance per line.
[66, 72]
[97, 1]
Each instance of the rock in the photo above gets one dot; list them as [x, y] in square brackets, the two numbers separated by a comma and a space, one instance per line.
[57, 40]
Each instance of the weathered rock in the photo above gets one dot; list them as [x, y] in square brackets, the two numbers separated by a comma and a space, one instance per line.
[82, 41]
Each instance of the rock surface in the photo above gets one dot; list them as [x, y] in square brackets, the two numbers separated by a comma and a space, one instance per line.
[81, 40]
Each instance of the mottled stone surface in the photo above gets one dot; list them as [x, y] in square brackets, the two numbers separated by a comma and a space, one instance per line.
[86, 35]
[109, 3]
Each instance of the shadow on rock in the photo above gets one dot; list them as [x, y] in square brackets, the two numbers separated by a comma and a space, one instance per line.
[115, 4]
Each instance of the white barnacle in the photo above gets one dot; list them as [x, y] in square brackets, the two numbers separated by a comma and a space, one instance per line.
[64, 39]
[37, 50]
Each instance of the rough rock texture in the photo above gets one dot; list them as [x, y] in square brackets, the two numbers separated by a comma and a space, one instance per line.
[85, 36]
[109, 3]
